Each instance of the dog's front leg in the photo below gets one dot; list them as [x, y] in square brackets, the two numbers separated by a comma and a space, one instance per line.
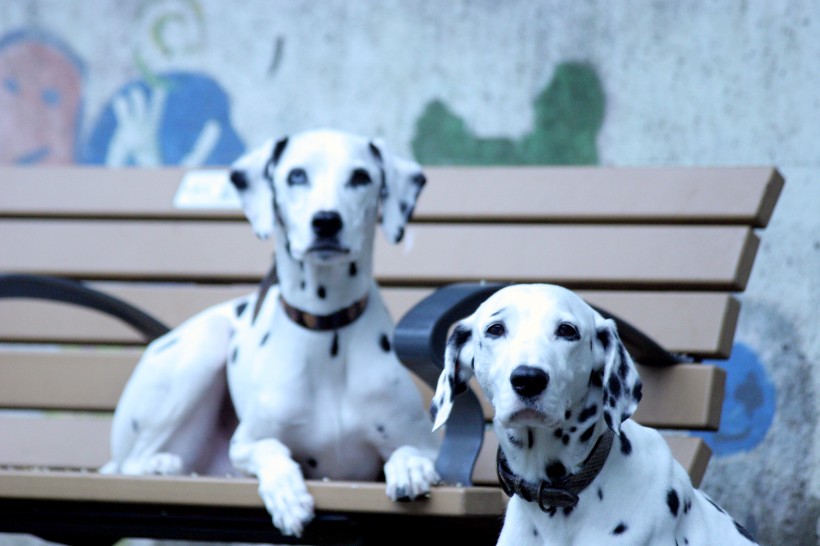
[281, 483]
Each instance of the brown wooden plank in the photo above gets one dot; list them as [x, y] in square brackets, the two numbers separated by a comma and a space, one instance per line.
[552, 194]
[686, 396]
[704, 322]
[241, 492]
[601, 256]
[692, 453]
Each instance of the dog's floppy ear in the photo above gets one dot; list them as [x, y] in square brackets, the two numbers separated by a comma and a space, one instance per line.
[458, 369]
[249, 175]
[620, 383]
[402, 182]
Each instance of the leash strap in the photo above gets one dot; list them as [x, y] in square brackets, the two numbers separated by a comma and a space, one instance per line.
[564, 492]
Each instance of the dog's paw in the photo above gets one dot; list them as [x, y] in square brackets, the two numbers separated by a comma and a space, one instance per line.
[163, 464]
[286, 497]
[409, 474]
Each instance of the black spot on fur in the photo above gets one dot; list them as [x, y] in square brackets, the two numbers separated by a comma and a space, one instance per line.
[587, 412]
[604, 338]
[433, 410]
[673, 501]
[534, 532]
[608, 419]
[568, 415]
[637, 391]
[614, 386]
[558, 432]
[381, 430]
[568, 510]
[302, 285]
[375, 151]
[241, 308]
[742, 530]
[620, 529]
[565, 440]
[596, 378]
[239, 180]
[626, 445]
[334, 347]
[384, 343]
[354, 269]
[461, 335]
[552, 510]
[135, 426]
[321, 292]
[587, 434]
[555, 471]
[264, 339]
[623, 369]
[530, 438]
[514, 441]
[600, 494]
[234, 355]
[278, 149]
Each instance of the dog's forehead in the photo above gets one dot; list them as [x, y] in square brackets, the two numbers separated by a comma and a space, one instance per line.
[534, 302]
[328, 151]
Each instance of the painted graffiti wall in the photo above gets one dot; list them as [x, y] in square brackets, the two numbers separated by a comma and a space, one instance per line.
[196, 82]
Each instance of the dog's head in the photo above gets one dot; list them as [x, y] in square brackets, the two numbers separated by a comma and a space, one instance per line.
[323, 189]
[542, 356]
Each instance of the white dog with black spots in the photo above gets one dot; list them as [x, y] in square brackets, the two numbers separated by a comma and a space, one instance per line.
[307, 361]
[578, 469]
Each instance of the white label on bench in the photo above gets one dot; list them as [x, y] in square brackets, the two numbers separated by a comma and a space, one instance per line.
[206, 189]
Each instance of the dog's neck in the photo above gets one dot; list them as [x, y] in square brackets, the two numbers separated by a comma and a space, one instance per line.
[538, 453]
[322, 289]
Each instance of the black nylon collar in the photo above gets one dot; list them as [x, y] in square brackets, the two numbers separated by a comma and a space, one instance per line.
[562, 493]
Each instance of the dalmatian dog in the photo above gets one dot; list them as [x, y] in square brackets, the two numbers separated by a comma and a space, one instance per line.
[307, 361]
[563, 387]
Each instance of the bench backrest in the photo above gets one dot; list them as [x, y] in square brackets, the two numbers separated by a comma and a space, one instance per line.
[666, 249]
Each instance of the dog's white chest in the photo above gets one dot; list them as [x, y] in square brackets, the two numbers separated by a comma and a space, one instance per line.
[294, 384]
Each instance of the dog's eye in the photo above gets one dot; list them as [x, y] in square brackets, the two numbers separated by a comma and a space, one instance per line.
[567, 331]
[297, 177]
[360, 177]
[496, 329]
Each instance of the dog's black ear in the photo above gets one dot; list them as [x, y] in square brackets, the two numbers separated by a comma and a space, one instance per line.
[458, 369]
[619, 381]
[402, 182]
[249, 175]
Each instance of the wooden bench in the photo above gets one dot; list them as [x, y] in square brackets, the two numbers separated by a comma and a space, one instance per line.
[664, 249]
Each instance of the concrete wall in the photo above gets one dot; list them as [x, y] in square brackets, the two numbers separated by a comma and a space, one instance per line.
[586, 82]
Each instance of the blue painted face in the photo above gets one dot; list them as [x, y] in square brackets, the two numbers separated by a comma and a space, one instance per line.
[748, 410]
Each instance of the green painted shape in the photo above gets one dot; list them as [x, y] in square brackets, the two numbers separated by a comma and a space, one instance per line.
[569, 113]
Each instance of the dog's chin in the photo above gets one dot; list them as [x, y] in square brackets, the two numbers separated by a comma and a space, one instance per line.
[527, 417]
[326, 253]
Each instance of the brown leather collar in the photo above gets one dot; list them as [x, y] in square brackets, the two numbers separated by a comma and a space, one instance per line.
[333, 321]
[560, 493]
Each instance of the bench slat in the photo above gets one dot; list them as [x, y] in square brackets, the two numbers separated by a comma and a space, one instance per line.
[687, 396]
[240, 493]
[544, 194]
[704, 322]
[81, 442]
[689, 257]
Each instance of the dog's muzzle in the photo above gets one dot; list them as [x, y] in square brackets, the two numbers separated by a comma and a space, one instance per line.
[326, 225]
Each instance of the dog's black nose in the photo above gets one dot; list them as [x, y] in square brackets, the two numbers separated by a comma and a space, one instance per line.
[327, 223]
[529, 381]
